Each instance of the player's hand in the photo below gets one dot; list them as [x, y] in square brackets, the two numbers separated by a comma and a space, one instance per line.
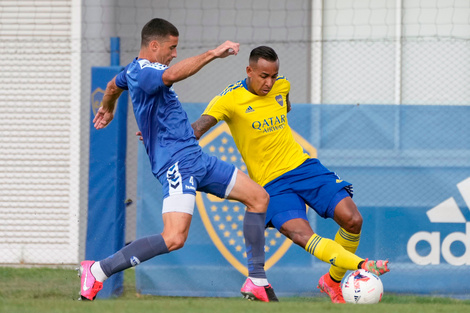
[226, 49]
[102, 118]
[139, 133]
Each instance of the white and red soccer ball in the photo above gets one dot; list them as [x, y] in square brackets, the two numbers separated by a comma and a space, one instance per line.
[362, 287]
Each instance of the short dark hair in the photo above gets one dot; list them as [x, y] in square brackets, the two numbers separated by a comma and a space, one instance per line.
[263, 52]
[157, 28]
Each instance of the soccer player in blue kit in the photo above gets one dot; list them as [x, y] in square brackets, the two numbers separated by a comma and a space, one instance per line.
[177, 161]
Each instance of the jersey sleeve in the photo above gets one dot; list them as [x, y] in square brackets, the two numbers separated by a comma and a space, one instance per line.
[285, 84]
[150, 79]
[219, 108]
[121, 79]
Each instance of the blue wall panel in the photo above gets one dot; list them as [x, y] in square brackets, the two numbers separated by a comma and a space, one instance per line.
[107, 180]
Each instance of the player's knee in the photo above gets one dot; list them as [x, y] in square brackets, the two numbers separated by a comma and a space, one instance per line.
[260, 202]
[353, 224]
[175, 242]
[265, 199]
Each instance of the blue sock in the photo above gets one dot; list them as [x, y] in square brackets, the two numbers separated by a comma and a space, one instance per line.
[253, 229]
[133, 254]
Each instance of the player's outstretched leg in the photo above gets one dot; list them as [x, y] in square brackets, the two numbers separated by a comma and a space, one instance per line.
[89, 285]
[256, 286]
[256, 199]
[260, 293]
[332, 288]
[378, 267]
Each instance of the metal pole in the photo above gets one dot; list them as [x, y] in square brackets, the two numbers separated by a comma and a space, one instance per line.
[115, 51]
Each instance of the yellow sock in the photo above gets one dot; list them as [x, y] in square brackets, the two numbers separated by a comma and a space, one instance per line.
[331, 252]
[348, 241]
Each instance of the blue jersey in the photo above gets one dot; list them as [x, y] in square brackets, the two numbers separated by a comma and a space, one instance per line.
[166, 131]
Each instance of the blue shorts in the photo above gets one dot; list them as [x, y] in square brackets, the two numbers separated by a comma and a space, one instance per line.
[309, 184]
[202, 173]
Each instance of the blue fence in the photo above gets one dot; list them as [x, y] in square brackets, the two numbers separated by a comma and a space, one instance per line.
[410, 167]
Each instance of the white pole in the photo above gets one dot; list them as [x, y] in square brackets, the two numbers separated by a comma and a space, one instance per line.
[75, 127]
[398, 51]
[316, 52]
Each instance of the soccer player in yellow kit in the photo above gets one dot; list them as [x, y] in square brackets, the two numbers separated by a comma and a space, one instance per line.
[255, 110]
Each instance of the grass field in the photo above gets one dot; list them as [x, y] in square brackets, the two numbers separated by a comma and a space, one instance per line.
[56, 290]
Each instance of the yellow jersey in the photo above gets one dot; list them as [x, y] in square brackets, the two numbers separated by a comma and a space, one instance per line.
[260, 129]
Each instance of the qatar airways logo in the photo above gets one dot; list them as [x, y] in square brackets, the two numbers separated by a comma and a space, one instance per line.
[445, 212]
[270, 124]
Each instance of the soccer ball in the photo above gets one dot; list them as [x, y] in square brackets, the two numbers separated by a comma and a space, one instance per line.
[362, 287]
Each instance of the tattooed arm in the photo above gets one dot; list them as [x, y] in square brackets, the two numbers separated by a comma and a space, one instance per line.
[202, 125]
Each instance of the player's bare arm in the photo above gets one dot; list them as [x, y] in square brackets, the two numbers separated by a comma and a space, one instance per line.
[203, 124]
[105, 113]
[200, 126]
[192, 65]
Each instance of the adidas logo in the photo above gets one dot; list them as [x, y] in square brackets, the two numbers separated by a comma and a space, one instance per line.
[249, 109]
[446, 212]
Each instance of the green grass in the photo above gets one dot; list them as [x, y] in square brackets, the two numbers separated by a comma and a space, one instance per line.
[56, 290]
